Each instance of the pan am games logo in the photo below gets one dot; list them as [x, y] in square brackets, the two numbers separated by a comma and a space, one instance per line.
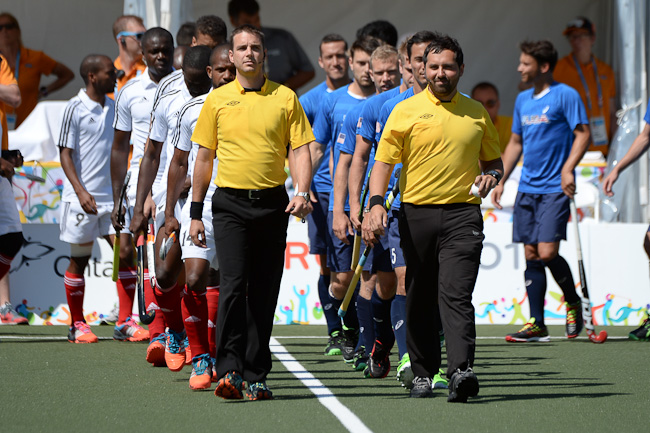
[30, 252]
[534, 119]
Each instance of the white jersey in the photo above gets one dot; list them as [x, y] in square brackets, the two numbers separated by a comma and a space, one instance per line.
[133, 107]
[173, 81]
[182, 139]
[87, 130]
[163, 124]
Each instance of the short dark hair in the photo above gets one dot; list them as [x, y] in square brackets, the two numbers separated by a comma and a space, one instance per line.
[445, 42]
[212, 26]
[91, 64]
[249, 7]
[197, 58]
[380, 29]
[216, 51]
[484, 85]
[247, 28]
[157, 32]
[367, 45]
[332, 37]
[420, 37]
[541, 51]
[185, 34]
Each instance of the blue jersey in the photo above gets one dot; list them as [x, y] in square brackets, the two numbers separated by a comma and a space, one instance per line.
[327, 126]
[385, 111]
[647, 114]
[546, 123]
[370, 114]
[347, 140]
[311, 100]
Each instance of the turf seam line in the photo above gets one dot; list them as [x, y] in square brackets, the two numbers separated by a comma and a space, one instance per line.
[345, 416]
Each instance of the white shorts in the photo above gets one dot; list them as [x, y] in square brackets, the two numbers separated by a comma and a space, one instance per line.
[191, 251]
[9, 217]
[161, 205]
[78, 227]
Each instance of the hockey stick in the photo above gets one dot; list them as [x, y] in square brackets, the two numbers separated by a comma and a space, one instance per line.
[586, 303]
[120, 218]
[356, 248]
[151, 241]
[31, 177]
[166, 246]
[362, 261]
[145, 317]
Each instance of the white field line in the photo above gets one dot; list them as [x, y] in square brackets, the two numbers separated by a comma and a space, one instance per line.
[41, 337]
[349, 420]
[292, 337]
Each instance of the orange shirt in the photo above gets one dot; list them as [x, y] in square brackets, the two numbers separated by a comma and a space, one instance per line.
[6, 78]
[136, 70]
[566, 72]
[32, 65]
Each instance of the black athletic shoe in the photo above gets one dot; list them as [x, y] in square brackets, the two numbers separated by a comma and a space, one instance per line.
[421, 387]
[333, 344]
[349, 344]
[574, 321]
[379, 361]
[360, 359]
[642, 333]
[462, 384]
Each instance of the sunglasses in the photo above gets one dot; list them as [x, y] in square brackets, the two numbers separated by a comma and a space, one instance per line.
[9, 26]
[137, 35]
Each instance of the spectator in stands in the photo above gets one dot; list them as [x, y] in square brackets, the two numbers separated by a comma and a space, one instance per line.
[185, 34]
[487, 94]
[128, 31]
[593, 79]
[28, 66]
[286, 62]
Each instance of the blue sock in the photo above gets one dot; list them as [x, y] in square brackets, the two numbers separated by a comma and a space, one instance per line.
[381, 317]
[398, 319]
[331, 313]
[535, 276]
[366, 324]
[562, 274]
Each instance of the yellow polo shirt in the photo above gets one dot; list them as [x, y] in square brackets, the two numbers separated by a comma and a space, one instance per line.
[504, 130]
[440, 145]
[250, 131]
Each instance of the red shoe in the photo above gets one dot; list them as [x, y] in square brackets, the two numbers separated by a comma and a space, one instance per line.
[9, 316]
[80, 333]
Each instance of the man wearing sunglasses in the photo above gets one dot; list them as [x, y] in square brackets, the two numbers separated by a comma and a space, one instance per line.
[487, 94]
[128, 31]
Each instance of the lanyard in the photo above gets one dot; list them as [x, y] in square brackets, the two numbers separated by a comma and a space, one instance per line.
[584, 82]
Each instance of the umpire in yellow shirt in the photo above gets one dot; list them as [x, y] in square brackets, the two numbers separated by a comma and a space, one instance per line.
[447, 143]
[249, 124]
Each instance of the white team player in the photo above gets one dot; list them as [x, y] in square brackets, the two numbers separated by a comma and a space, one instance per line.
[133, 107]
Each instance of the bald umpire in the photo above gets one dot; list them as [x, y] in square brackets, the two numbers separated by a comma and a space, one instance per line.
[447, 143]
[248, 123]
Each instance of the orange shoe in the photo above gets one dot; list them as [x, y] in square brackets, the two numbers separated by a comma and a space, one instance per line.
[230, 387]
[214, 370]
[156, 351]
[175, 351]
[201, 377]
[130, 331]
[188, 352]
[80, 333]
[9, 316]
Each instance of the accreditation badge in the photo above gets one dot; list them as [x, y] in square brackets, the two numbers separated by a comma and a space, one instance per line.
[11, 121]
[598, 130]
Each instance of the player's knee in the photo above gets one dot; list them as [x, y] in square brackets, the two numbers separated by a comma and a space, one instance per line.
[547, 256]
[166, 277]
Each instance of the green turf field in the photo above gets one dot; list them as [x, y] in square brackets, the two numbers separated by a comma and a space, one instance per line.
[561, 386]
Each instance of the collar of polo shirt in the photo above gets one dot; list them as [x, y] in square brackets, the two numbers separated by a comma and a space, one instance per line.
[437, 101]
[241, 89]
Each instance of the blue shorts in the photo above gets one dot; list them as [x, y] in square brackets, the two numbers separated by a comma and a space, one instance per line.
[394, 239]
[540, 218]
[317, 224]
[339, 255]
[379, 256]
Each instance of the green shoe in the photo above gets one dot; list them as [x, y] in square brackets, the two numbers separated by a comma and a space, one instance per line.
[333, 344]
[404, 372]
[642, 333]
[440, 380]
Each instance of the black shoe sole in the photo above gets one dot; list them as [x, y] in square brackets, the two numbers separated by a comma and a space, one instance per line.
[465, 387]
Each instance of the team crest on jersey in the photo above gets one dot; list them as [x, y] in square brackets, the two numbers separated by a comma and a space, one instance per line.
[426, 116]
[359, 122]
[232, 103]
[534, 119]
[341, 138]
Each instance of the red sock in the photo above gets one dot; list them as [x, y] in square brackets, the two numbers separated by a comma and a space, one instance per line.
[75, 286]
[5, 265]
[195, 318]
[213, 305]
[158, 326]
[126, 292]
[170, 305]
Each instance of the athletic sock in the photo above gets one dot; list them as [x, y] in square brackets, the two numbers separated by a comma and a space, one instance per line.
[75, 286]
[158, 325]
[331, 313]
[213, 306]
[336, 304]
[169, 302]
[381, 317]
[366, 326]
[535, 276]
[398, 320]
[562, 274]
[351, 319]
[195, 318]
[127, 278]
[5, 264]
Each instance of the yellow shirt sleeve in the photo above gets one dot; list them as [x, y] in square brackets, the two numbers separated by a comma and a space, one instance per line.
[300, 132]
[490, 146]
[205, 131]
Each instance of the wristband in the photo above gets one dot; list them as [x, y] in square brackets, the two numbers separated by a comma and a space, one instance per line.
[495, 174]
[196, 210]
[375, 200]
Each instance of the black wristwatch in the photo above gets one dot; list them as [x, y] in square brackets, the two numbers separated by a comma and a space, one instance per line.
[495, 174]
